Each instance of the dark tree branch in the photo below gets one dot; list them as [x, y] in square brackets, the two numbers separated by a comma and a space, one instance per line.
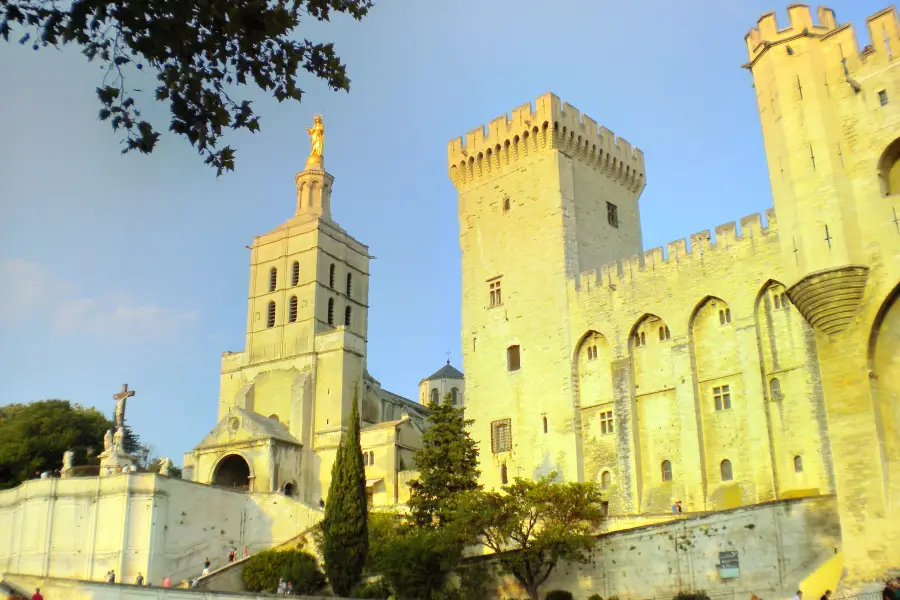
[198, 49]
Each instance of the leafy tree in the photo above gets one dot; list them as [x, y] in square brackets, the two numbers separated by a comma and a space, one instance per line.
[447, 464]
[414, 561]
[418, 560]
[264, 569]
[33, 437]
[345, 539]
[532, 525]
[199, 52]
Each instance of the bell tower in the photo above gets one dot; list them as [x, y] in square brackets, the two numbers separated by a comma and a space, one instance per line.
[307, 322]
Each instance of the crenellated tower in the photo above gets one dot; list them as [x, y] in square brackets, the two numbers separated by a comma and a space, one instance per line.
[824, 106]
[544, 194]
[830, 116]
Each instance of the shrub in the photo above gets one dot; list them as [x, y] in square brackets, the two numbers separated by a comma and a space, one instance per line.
[595, 597]
[559, 595]
[696, 595]
[264, 569]
[372, 590]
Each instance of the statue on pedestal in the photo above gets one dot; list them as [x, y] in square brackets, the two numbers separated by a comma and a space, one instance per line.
[164, 465]
[317, 144]
[119, 440]
[68, 463]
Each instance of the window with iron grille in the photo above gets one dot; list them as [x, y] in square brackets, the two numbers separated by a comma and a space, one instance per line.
[501, 436]
[612, 214]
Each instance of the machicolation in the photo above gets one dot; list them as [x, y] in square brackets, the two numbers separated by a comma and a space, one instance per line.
[550, 125]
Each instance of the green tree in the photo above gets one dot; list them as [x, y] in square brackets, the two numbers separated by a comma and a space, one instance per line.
[33, 437]
[447, 465]
[264, 569]
[417, 560]
[532, 525]
[345, 529]
[200, 53]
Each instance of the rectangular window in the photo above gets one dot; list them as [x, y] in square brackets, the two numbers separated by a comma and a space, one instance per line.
[612, 214]
[501, 436]
[882, 97]
[496, 297]
[512, 358]
[606, 422]
[722, 396]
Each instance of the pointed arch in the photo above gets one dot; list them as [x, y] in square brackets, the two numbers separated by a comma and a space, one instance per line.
[718, 379]
[650, 325]
[653, 377]
[889, 169]
[591, 370]
[884, 379]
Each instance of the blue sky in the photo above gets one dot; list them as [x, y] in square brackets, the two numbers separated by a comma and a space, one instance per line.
[134, 269]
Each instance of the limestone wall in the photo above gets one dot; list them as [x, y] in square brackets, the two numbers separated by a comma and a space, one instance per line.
[779, 545]
[81, 590]
[83, 527]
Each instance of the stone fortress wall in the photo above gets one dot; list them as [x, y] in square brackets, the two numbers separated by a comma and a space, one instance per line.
[81, 528]
[653, 384]
[606, 362]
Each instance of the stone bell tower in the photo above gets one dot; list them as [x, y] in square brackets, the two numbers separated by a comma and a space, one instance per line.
[285, 399]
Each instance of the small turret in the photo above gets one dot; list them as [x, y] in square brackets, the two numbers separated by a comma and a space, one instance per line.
[446, 380]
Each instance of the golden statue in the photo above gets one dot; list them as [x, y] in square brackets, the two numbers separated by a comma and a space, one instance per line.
[317, 142]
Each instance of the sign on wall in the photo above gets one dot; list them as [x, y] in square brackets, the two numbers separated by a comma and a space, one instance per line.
[729, 566]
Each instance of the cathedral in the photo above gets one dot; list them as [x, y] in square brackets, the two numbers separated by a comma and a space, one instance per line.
[285, 400]
[755, 363]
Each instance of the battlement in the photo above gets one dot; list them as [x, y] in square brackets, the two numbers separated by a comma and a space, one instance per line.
[548, 125]
[684, 252]
[884, 33]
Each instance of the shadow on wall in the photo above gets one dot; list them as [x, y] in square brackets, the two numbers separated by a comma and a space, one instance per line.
[778, 546]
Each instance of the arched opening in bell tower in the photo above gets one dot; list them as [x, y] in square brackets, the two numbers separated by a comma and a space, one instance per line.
[233, 471]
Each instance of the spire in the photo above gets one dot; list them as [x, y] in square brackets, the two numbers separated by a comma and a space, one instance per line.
[313, 183]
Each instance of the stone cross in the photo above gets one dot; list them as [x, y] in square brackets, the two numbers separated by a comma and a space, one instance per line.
[120, 399]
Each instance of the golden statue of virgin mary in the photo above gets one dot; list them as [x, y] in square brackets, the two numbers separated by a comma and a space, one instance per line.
[317, 144]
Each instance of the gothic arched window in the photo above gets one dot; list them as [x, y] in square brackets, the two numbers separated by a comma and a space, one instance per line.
[434, 395]
[292, 310]
[273, 279]
[295, 273]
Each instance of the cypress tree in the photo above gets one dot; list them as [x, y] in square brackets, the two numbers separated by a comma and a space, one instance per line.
[345, 527]
[447, 465]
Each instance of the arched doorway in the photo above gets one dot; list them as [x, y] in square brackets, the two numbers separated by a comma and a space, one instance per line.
[289, 489]
[232, 472]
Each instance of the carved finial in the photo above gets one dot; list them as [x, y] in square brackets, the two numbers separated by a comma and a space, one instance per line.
[317, 144]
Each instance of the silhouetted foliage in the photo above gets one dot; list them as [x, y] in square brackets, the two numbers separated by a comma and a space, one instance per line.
[200, 52]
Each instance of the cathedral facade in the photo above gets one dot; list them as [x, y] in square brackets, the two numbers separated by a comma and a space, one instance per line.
[758, 363]
[285, 400]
